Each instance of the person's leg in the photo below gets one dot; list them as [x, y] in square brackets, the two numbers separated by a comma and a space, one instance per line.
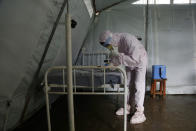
[128, 72]
[140, 87]
[120, 111]
[132, 91]
[139, 116]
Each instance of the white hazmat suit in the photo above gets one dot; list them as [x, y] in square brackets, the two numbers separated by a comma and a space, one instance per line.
[131, 54]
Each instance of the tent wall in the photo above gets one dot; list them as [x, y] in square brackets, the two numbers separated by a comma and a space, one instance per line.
[80, 14]
[25, 28]
[172, 43]
[101, 4]
[171, 39]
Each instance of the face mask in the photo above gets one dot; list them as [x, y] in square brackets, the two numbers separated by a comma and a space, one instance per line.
[106, 43]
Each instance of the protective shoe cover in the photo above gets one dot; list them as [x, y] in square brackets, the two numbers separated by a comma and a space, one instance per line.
[120, 111]
[138, 117]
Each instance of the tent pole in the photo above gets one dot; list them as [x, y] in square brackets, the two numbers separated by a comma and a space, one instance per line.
[194, 30]
[6, 115]
[146, 33]
[94, 6]
[156, 33]
[69, 70]
[146, 25]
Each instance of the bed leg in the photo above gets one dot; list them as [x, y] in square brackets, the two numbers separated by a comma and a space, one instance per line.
[48, 109]
[125, 111]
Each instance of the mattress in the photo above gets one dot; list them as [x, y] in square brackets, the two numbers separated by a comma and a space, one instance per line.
[84, 78]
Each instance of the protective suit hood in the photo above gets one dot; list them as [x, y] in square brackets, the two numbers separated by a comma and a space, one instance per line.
[106, 34]
[115, 39]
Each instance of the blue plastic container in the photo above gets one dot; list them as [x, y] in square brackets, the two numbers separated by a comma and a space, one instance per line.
[158, 72]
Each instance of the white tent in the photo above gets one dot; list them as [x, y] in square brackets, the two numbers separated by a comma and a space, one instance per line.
[167, 28]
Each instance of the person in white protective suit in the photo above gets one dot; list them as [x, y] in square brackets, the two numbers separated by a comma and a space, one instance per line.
[132, 54]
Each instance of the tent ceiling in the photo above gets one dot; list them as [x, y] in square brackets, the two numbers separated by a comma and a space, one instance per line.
[101, 4]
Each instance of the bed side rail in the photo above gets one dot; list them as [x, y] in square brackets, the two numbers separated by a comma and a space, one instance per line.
[104, 89]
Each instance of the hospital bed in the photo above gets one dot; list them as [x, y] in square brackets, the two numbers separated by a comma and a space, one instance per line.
[90, 78]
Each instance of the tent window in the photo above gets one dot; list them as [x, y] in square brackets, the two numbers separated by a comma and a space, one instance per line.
[152, 2]
[89, 7]
[161, 1]
[164, 1]
[184, 1]
[193, 1]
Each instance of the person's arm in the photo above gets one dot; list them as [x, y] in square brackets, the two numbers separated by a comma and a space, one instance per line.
[130, 46]
[127, 60]
[122, 59]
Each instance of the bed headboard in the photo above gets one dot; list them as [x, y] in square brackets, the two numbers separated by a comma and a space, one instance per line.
[94, 58]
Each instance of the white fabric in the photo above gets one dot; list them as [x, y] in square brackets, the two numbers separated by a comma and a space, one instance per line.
[138, 118]
[120, 111]
[104, 35]
[136, 80]
[135, 59]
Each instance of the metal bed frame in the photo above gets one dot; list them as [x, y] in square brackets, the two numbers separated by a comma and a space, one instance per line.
[94, 58]
[93, 90]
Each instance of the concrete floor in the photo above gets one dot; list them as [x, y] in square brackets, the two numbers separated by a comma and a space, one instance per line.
[96, 113]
